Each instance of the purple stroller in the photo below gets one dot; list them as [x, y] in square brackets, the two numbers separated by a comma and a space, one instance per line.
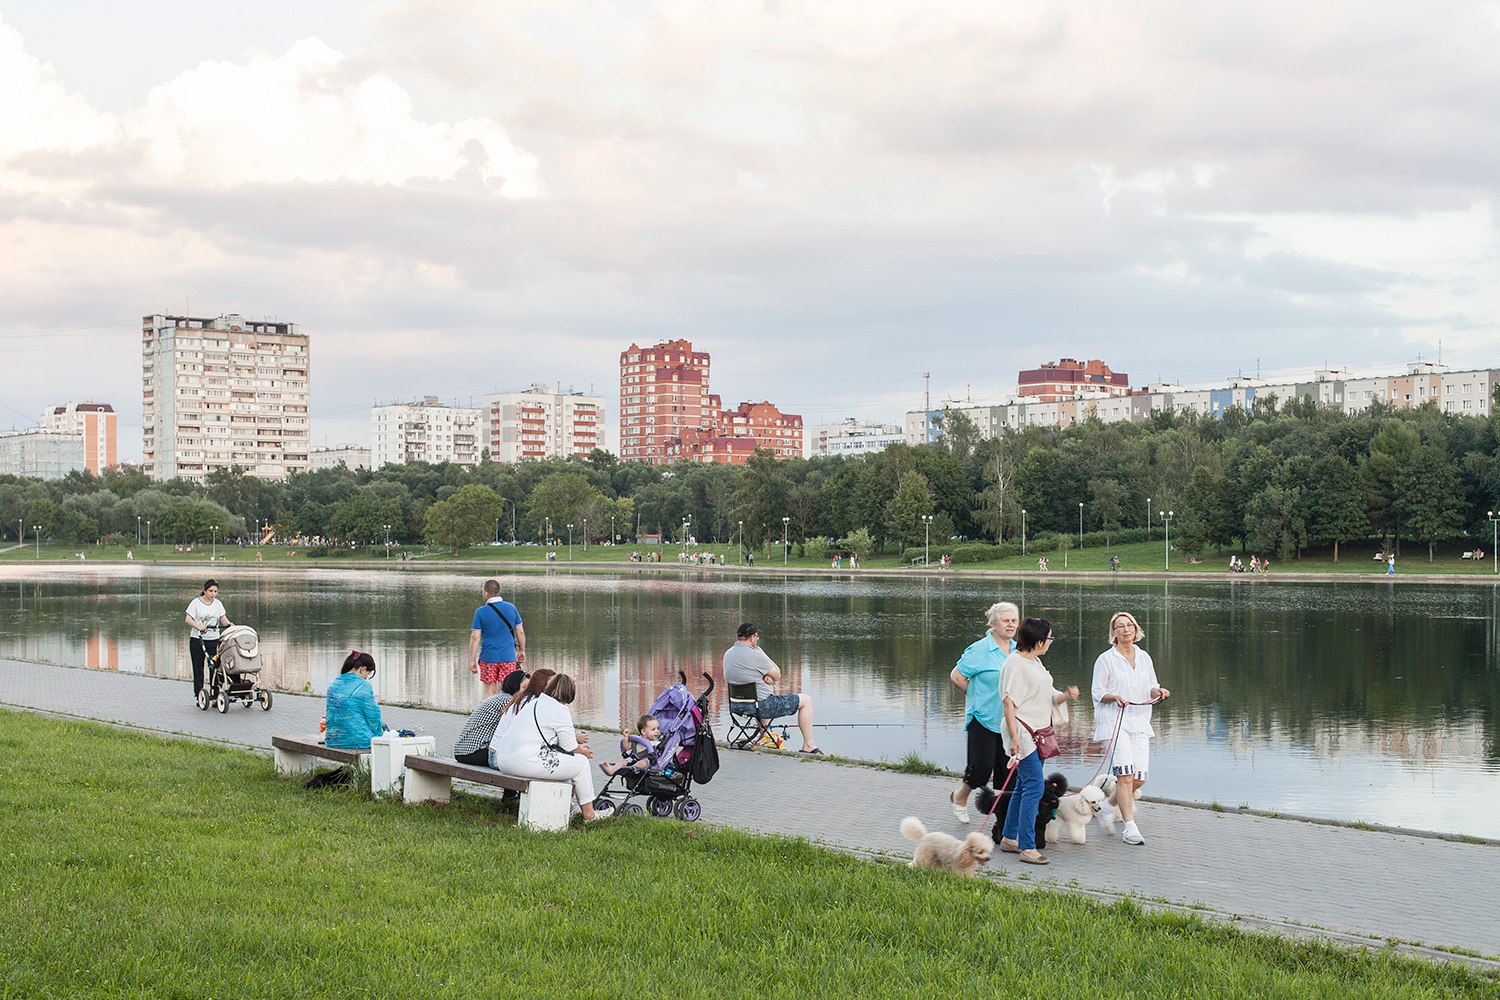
[667, 781]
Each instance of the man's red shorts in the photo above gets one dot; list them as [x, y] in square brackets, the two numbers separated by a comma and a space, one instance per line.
[494, 673]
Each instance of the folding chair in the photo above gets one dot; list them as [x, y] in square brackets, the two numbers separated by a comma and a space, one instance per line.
[745, 724]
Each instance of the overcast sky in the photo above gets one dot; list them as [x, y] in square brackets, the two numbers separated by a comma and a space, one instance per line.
[456, 197]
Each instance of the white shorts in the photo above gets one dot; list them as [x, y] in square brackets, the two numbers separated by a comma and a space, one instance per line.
[1132, 755]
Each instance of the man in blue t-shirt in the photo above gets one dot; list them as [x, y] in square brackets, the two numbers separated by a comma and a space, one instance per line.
[497, 642]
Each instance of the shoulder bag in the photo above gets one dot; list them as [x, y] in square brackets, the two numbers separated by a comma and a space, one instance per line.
[1046, 740]
[551, 753]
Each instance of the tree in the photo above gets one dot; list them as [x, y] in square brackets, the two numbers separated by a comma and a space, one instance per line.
[1000, 485]
[1207, 516]
[468, 516]
[568, 497]
[1108, 500]
[903, 515]
[188, 521]
[362, 518]
[959, 433]
[1338, 503]
[1430, 495]
[860, 543]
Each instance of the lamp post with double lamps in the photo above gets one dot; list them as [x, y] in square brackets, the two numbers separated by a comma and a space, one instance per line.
[570, 541]
[926, 539]
[38, 529]
[1166, 520]
[1495, 524]
[786, 541]
[388, 544]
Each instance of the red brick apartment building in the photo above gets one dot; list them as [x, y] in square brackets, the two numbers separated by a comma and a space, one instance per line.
[1066, 378]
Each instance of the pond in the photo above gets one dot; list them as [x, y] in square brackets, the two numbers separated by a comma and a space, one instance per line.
[1356, 701]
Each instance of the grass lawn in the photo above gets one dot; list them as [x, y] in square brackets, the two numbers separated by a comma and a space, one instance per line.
[1137, 556]
[137, 866]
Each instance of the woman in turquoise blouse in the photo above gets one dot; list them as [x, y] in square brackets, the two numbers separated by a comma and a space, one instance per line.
[978, 677]
[353, 717]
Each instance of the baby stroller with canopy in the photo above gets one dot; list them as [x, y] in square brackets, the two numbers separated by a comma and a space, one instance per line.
[234, 672]
[684, 753]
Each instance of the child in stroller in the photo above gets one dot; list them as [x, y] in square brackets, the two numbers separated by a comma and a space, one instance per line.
[662, 772]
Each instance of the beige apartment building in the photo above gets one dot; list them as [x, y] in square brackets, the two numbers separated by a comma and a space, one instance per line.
[94, 422]
[221, 392]
[425, 431]
[541, 422]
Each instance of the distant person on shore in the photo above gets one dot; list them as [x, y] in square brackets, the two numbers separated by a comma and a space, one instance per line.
[352, 714]
[746, 663]
[1125, 681]
[205, 616]
[1390, 565]
[1031, 702]
[473, 743]
[978, 677]
[497, 640]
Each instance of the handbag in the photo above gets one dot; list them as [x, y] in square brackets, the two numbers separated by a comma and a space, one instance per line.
[1046, 740]
[550, 753]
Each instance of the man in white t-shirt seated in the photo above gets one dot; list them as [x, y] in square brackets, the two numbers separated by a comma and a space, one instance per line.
[745, 663]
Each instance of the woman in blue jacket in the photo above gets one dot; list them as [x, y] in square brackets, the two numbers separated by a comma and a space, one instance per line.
[353, 716]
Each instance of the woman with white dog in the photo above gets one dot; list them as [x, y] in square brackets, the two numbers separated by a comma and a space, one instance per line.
[1030, 703]
[1125, 682]
[978, 677]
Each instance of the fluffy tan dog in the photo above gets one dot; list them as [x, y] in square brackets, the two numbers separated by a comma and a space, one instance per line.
[940, 850]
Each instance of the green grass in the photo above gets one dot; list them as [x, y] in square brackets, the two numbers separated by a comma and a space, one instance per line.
[912, 762]
[1137, 557]
[137, 866]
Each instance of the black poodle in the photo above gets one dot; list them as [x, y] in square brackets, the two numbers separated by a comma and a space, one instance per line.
[1053, 789]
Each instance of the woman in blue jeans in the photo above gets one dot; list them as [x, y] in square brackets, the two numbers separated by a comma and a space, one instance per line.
[1029, 699]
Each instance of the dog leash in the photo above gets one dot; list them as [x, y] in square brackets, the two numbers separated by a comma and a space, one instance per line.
[1110, 753]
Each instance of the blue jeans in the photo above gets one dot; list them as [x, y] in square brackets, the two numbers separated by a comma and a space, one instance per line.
[1020, 817]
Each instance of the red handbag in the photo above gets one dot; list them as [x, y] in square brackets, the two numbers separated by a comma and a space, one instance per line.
[1046, 740]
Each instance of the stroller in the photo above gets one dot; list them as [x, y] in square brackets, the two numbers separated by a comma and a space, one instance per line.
[234, 672]
[686, 747]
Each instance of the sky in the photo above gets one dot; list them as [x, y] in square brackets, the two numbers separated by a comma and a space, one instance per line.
[455, 197]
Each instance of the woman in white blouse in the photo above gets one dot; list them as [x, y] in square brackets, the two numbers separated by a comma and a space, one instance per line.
[1030, 702]
[1125, 681]
[535, 738]
[205, 616]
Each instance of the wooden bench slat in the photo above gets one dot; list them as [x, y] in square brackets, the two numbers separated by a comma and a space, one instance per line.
[310, 745]
[467, 772]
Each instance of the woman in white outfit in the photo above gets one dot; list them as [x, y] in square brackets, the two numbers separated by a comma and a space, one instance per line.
[1124, 677]
[535, 738]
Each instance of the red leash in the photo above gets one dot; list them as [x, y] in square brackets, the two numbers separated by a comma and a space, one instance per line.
[1110, 751]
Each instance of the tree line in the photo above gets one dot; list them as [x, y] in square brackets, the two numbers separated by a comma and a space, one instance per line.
[1276, 479]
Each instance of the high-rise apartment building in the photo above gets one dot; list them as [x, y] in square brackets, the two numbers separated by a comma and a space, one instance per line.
[351, 456]
[852, 437]
[1066, 378]
[780, 433]
[663, 393]
[37, 453]
[427, 431]
[542, 423]
[224, 392]
[94, 422]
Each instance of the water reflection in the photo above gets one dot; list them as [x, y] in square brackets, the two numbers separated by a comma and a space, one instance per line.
[1359, 701]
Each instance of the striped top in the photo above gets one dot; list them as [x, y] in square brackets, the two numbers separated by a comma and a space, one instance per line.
[480, 728]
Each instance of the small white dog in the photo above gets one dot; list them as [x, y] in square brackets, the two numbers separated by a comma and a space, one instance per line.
[1073, 814]
[941, 850]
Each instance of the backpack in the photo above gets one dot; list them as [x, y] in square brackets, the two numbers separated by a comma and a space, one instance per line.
[704, 763]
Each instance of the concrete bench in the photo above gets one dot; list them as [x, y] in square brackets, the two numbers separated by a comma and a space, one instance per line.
[300, 754]
[544, 804]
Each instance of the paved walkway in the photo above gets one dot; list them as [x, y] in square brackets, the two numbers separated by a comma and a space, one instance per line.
[1347, 881]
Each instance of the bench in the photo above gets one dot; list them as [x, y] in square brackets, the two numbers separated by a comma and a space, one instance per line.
[544, 804]
[300, 754]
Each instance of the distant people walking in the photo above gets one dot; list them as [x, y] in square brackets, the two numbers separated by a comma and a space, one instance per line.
[746, 663]
[1390, 565]
[352, 714]
[1031, 702]
[978, 677]
[1124, 681]
[497, 641]
[205, 616]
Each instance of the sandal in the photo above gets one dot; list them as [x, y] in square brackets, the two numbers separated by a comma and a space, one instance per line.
[817, 751]
[1033, 858]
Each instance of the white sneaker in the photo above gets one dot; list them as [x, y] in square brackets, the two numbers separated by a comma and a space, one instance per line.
[960, 809]
[1133, 835]
[1107, 817]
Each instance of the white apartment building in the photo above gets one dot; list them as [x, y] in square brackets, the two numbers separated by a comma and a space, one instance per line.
[224, 392]
[852, 437]
[350, 455]
[542, 422]
[39, 453]
[425, 431]
[94, 423]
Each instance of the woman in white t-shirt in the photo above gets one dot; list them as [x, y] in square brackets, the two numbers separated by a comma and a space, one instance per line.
[205, 616]
[1030, 702]
[535, 738]
[1124, 681]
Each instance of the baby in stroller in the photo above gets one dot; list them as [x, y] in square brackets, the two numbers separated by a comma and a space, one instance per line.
[639, 750]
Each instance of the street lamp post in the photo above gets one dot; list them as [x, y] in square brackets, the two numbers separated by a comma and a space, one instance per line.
[585, 536]
[497, 533]
[387, 542]
[213, 551]
[137, 529]
[612, 538]
[926, 539]
[742, 543]
[786, 541]
[38, 529]
[148, 535]
[570, 541]
[1495, 524]
[682, 538]
[1166, 520]
[1148, 518]
[548, 539]
[1080, 524]
[1023, 531]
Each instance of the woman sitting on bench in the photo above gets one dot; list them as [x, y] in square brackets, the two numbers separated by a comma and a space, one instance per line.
[535, 738]
[352, 715]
